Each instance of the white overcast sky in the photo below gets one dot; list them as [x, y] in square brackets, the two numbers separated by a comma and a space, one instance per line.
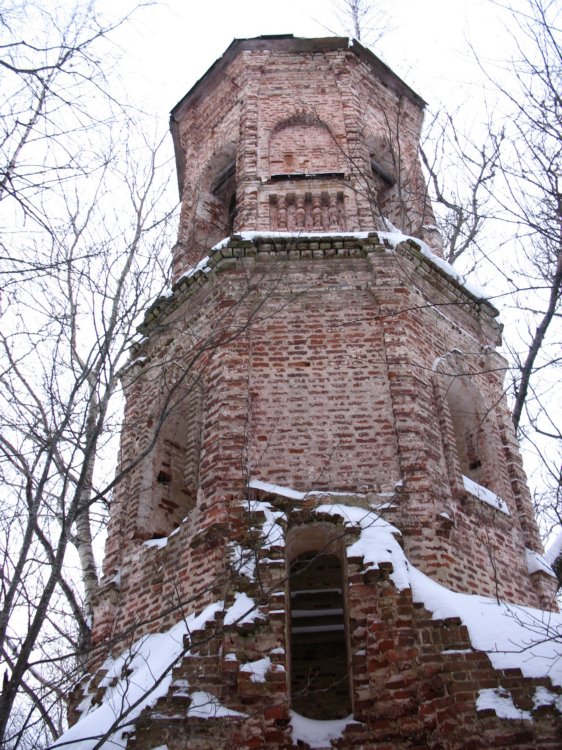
[170, 45]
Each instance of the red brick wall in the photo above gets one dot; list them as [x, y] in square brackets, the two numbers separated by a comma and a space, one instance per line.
[414, 680]
[316, 365]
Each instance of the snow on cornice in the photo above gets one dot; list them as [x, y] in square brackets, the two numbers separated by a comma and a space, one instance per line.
[289, 493]
[390, 239]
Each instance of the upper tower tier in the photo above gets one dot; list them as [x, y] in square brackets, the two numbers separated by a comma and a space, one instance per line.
[300, 135]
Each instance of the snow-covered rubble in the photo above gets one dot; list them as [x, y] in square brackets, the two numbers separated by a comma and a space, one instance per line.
[512, 636]
[133, 681]
[318, 733]
[142, 674]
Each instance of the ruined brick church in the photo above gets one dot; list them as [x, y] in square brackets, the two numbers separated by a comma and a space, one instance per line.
[318, 460]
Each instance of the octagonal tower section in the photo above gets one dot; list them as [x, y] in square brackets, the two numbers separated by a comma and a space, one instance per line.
[315, 421]
[298, 135]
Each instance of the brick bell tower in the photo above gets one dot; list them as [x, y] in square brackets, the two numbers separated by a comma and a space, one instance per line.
[313, 412]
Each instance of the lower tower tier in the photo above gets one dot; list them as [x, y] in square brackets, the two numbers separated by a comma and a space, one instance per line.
[326, 636]
[321, 512]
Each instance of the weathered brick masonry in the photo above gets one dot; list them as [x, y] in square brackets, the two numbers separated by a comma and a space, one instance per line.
[317, 360]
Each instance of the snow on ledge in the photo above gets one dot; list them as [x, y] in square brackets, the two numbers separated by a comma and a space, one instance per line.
[243, 610]
[207, 706]
[555, 549]
[545, 697]
[536, 563]
[500, 701]
[162, 542]
[485, 495]
[257, 669]
[392, 238]
[273, 534]
[291, 494]
[243, 560]
[276, 489]
[317, 733]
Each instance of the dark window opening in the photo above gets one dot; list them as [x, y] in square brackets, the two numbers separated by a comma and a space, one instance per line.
[384, 173]
[164, 477]
[224, 178]
[231, 214]
[387, 203]
[215, 213]
[174, 470]
[223, 191]
[320, 686]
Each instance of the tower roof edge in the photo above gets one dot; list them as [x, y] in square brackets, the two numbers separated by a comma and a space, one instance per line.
[290, 43]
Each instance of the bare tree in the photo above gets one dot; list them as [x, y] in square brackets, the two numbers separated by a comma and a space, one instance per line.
[461, 178]
[364, 20]
[85, 227]
[532, 172]
[65, 337]
[531, 169]
[528, 206]
[496, 193]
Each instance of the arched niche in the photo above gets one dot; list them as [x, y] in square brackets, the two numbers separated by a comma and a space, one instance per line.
[216, 206]
[318, 648]
[472, 421]
[303, 144]
[171, 468]
[471, 428]
[382, 178]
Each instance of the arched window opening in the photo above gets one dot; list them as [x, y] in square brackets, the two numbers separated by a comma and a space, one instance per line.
[216, 206]
[175, 463]
[320, 685]
[471, 427]
[383, 173]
